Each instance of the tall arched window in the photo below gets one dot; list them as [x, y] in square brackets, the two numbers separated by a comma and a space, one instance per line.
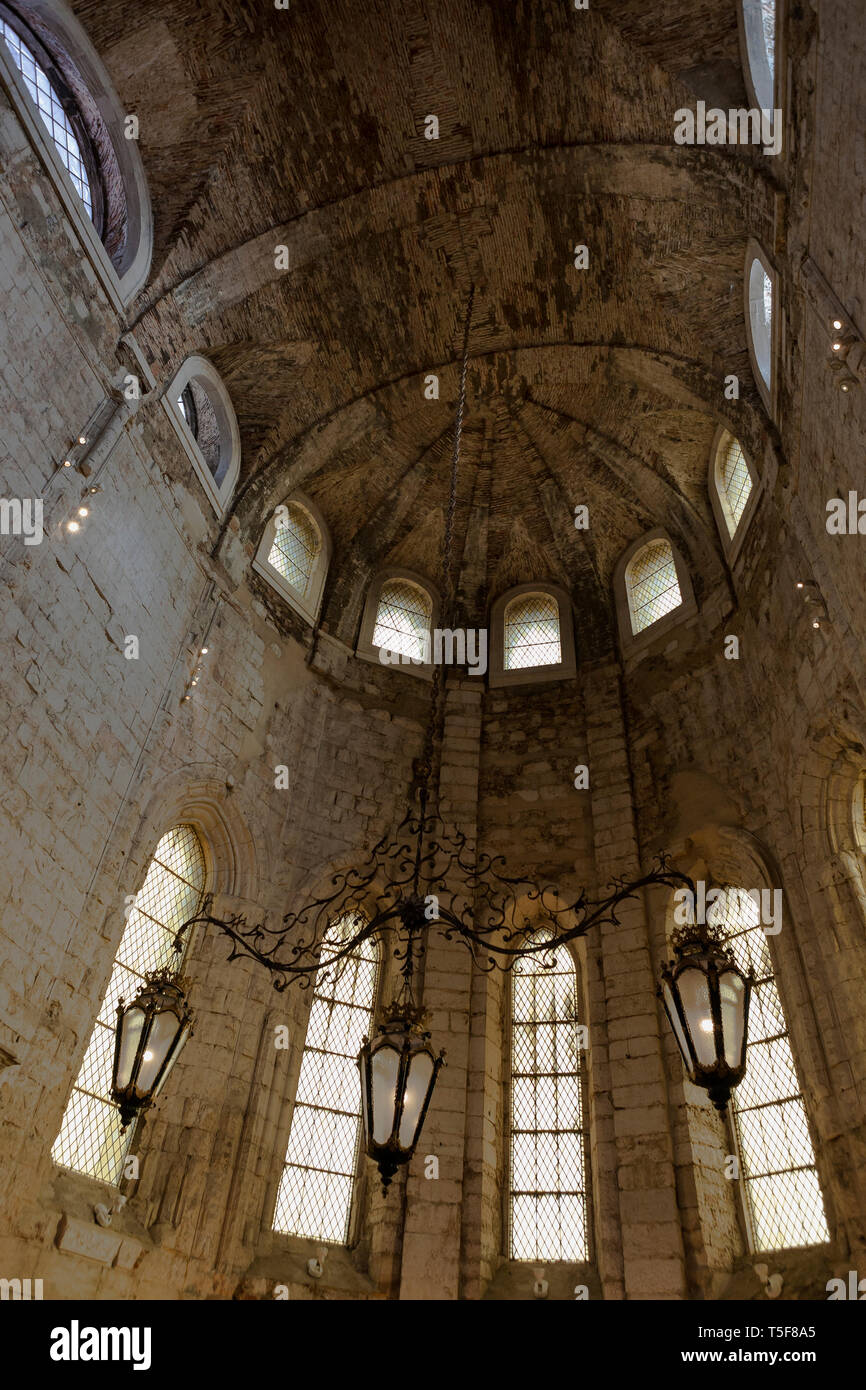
[779, 1179]
[295, 547]
[532, 632]
[90, 1140]
[58, 110]
[315, 1193]
[548, 1207]
[759, 34]
[732, 479]
[69, 112]
[403, 617]
[760, 314]
[651, 584]
[200, 409]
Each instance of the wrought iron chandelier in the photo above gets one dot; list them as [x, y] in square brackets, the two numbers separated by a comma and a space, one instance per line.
[424, 877]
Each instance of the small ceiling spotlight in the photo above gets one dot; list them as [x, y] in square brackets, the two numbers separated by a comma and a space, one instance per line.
[82, 439]
[67, 463]
[815, 623]
[799, 583]
[204, 651]
[83, 511]
[836, 347]
[844, 386]
[837, 323]
[72, 526]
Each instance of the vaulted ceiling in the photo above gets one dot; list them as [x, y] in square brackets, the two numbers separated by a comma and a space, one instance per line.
[305, 128]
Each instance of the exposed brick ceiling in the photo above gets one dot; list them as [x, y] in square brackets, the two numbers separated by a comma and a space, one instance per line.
[305, 127]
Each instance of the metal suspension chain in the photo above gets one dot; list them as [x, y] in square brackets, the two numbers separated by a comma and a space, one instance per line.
[436, 721]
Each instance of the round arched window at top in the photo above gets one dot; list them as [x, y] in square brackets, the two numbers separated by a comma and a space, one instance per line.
[758, 18]
[53, 99]
[67, 107]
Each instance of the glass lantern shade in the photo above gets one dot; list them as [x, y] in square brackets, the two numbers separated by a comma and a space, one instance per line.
[150, 1034]
[706, 998]
[398, 1073]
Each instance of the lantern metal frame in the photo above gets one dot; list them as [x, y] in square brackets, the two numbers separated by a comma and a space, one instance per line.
[164, 991]
[404, 1031]
[700, 946]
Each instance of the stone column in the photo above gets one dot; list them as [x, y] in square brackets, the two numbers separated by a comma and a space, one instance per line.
[432, 1232]
[652, 1248]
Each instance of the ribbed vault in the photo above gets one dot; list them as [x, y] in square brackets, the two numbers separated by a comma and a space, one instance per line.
[305, 129]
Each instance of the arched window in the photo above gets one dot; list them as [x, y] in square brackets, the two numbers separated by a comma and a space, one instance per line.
[759, 36]
[90, 1140]
[59, 112]
[315, 1193]
[548, 1208]
[293, 555]
[403, 618]
[201, 411]
[732, 482]
[67, 108]
[295, 546]
[779, 1179]
[652, 586]
[532, 632]
[761, 317]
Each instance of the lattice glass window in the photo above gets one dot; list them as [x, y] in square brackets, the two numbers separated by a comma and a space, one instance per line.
[532, 632]
[403, 617]
[652, 585]
[777, 1160]
[315, 1194]
[54, 117]
[548, 1185]
[90, 1140]
[733, 480]
[295, 547]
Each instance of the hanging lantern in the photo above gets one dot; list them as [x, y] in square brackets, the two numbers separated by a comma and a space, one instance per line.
[398, 1073]
[706, 997]
[150, 1034]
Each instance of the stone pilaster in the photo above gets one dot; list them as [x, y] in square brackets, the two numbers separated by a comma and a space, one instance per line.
[651, 1239]
[432, 1232]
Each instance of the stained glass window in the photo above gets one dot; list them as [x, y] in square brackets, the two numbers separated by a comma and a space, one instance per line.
[295, 547]
[315, 1193]
[777, 1160]
[54, 117]
[548, 1186]
[90, 1140]
[733, 479]
[403, 618]
[652, 584]
[532, 632]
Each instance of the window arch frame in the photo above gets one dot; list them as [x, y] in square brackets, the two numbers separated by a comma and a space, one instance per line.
[731, 1122]
[178, 822]
[199, 371]
[762, 83]
[732, 541]
[358, 1187]
[767, 390]
[123, 271]
[582, 1074]
[365, 648]
[308, 605]
[631, 642]
[564, 669]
